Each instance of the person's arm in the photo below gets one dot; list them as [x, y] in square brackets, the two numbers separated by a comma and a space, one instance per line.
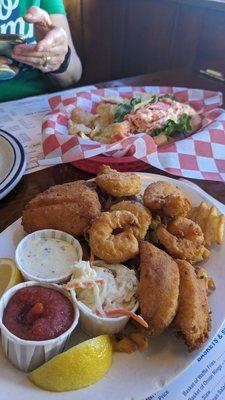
[53, 37]
[74, 70]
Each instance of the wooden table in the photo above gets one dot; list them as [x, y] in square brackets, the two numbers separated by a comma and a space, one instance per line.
[12, 205]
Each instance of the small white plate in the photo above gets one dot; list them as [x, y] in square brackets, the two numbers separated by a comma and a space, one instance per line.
[12, 162]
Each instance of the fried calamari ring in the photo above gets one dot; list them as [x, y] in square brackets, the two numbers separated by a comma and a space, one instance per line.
[118, 184]
[165, 198]
[141, 212]
[110, 247]
[193, 319]
[183, 239]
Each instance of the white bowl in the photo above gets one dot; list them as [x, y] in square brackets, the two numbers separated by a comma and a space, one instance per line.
[53, 234]
[94, 325]
[27, 355]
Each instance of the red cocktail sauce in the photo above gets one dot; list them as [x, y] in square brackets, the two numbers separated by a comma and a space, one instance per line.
[38, 313]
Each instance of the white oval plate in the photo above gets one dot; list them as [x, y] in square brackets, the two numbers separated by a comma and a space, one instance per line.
[132, 376]
[12, 162]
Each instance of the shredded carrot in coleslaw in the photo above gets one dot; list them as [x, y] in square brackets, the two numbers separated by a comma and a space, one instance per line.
[78, 284]
[102, 286]
[129, 313]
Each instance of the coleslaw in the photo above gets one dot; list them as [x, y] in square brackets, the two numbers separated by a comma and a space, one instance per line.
[103, 287]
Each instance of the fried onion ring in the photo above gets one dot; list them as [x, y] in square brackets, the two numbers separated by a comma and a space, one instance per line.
[110, 247]
[118, 184]
[165, 198]
[141, 212]
[183, 239]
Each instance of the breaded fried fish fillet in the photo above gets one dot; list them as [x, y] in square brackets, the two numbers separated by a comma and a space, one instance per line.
[158, 288]
[69, 207]
[193, 320]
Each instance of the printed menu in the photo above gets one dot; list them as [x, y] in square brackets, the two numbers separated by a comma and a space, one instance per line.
[204, 379]
[23, 119]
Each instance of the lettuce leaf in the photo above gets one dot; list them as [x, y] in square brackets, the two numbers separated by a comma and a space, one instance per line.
[167, 96]
[126, 108]
[171, 127]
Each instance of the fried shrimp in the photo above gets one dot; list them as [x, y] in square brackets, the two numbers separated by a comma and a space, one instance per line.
[158, 289]
[143, 215]
[166, 199]
[192, 321]
[183, 239]
[114, 248]
[118, 184]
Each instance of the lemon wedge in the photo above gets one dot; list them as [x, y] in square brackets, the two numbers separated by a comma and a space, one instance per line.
[78, 367]
[9, 274]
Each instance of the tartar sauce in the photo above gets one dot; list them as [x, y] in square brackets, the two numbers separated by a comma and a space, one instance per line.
[48, 258]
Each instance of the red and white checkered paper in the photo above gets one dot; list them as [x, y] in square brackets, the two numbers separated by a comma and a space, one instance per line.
[200, 156]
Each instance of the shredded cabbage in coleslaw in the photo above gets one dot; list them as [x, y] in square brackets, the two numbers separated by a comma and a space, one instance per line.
[118, 290]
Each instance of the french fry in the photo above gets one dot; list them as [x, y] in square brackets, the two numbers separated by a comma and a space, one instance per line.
[211, 223]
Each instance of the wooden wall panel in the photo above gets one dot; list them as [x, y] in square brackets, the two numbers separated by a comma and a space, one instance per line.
[151, 24]
[103, 30]
[211, 42]
[185, 36]
[120, 38]
[73, 9]
[97, 39]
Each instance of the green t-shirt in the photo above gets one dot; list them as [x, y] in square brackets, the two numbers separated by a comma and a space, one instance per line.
[31, 82]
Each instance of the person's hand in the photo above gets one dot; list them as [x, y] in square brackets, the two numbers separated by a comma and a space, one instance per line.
[8, 61]
[51, 47]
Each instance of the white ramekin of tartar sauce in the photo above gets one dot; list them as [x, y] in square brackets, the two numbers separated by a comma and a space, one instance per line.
[48, 255]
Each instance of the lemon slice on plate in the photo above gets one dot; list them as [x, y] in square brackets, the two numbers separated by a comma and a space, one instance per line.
[9, 274]
[80, 366]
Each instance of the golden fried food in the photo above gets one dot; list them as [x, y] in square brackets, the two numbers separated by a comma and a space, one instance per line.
[118, 247]
[211, 223]
[78, 129]
[129, 343]
[183, 239]
[80, 116]
[166, 199]
[141, 212]
[118, 184]
[125, 345]
[106, 113]
[209, 282]
[112, 132]
[192, 321]
[69, 207]
[141, 340]
[159, 287]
